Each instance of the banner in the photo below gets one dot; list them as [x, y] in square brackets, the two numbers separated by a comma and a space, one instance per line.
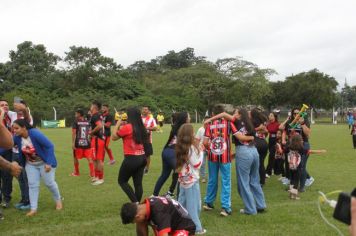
[53, 123]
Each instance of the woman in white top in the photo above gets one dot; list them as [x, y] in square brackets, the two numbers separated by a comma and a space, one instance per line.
[189, 160]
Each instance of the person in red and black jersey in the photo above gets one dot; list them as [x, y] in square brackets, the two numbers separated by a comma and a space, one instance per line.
[134, 136]
[165, 216]
[81, 142]
[97, 142]
[217, 144]
[108, 120]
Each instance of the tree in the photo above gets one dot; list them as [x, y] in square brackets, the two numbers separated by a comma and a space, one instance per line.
[313, 87]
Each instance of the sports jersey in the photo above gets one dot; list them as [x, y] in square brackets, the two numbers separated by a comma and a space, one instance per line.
[218, 131]
[29, 151]
[82, 128]
[294, 159]
[298, 129]
[107, 118]
[189, 173]
[167, 215]
[258, 134]
[353, 130]
[240, 127]
[160, 118]
[130, 146]
[94, 121]
[149, 122]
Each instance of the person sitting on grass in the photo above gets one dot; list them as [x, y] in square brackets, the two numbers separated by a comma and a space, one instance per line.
[166, 217]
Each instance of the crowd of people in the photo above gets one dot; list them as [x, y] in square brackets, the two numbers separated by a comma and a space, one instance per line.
[184, 158]
[185, 154]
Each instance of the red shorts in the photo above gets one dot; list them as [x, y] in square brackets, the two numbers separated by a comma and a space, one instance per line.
[80, 153]
[181, 232]
[107, 141]
[98, 148]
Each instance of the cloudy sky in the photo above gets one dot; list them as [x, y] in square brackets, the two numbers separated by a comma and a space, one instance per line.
[288, 36]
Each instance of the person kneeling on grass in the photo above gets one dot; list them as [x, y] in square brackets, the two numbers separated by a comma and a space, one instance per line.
[165, 216]
[189, 160]
[38, 152]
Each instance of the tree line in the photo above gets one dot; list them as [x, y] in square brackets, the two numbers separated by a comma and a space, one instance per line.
[176, 81]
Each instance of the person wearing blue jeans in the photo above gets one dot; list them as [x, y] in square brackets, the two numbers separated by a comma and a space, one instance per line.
[24, 203]
[37, 151]
[168, 165]
[212, 188]
[168, 155]
[203, 169]
[34, 174]
[248, 178]
[305, 175]
[190, 200]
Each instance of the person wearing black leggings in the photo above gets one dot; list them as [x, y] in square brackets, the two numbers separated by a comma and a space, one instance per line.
[259, 122]
[134, 136]
[272, 127]
[169, 156]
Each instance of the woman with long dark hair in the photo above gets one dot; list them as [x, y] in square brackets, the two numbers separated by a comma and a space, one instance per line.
[134, 136]
[302, 127]
[37, 152]
[247, 165]
[259, 122]
[169, 155]
[272, 127]
[247, 161]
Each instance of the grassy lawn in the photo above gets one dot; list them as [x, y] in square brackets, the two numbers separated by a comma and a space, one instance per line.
[94, 210]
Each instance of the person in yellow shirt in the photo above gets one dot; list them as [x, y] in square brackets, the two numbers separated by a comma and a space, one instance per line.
[160, 120]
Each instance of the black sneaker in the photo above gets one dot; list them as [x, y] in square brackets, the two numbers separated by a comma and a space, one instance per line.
[261, 210]
[208, 206]
[169, 195]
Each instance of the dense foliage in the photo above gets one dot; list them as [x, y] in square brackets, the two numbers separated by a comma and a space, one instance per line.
[175, 81]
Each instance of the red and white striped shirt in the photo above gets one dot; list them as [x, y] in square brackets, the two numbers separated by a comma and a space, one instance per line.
[190, 170]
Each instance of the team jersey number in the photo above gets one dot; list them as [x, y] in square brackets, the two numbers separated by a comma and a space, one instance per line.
[218, 146]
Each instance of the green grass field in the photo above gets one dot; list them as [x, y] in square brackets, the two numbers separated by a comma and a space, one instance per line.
[94, 210]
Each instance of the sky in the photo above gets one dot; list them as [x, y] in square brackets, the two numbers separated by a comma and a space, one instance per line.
[287, 36]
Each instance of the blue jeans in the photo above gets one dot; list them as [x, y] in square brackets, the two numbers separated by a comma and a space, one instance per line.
[34, 174]
[168, 165]
[225, 169]
[202, 168]
[248, 179]
[303, 164]
[23, 183]
[189, 198]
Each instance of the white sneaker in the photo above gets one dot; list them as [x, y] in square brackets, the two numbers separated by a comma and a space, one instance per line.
[93, 179]
[285, 181]
[201, 232]
[98, 182]
[309, 181]
[267, 176]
